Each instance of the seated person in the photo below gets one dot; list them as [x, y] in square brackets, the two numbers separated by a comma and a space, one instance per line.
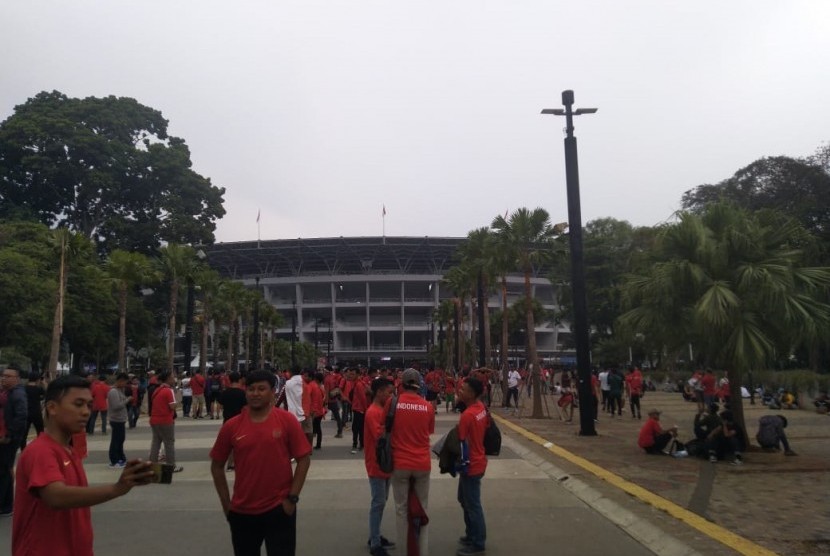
[653, 439]
[725, 440]
[822, 403]
[771, 433]
[789, 400]
[707, 422]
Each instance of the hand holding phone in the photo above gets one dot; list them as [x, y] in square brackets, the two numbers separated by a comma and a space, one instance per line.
[162, 473]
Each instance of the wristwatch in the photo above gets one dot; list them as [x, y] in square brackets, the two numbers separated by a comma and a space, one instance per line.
[293, 498]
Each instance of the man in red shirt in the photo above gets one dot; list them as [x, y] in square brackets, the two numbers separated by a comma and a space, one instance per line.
[449, 391]
[162, 420]
[334, 397]
[634, 387]
[653, 439]
[317, 409]
[471, 428]
[710, 387]
[52, 497]
[358, 396]
[197, 384]
[262, 439]
[414, 422]
[374, 427]
[434, 381]
[100, 389]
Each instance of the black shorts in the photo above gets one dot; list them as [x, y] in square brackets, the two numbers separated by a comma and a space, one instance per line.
[431, 396]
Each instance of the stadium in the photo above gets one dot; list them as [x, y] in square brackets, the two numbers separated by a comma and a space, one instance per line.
[369, 299]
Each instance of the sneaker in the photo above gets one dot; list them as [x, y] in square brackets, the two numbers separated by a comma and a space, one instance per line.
[354, 451]
[338, 435]
[713, 459]
[384, 543]
[464, 541]
[790, 453]
[737, 461]
[178, 469]
[681, 454]
[469, 550]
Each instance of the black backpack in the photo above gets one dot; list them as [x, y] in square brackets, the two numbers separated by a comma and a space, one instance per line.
[492, 437]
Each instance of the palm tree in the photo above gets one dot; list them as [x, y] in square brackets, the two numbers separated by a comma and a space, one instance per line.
[177, 264]
[126, 270]
[461, 282]
[735, 284]
[229, 304]
[530, 236]
[445, 314]
[69, 246]
[209, 282]
[480, 254]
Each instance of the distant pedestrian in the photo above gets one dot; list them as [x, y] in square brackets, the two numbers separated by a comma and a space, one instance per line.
[653, 438]
[615, 392]
[634, 388]
[52, 513]
[334, 398]
[318, 409]
[162, 420]
[359, 398]
[100, 389]
[414, 422]
[197, 387]
[604, 388]
[13, 406]
[513, 381]
[117, 404]
[35, 393]
[187, 395]
[771, 435]
[233, 398]
[263, 439]
[471, 429]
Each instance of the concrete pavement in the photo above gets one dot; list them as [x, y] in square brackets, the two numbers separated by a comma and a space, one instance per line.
[528, 511]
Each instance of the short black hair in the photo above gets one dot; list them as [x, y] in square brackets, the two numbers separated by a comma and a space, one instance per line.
[319, 376]
[58, 388]
[234, 376]
[380, 383]
[261, 376]
[163, 376]
[476, 385]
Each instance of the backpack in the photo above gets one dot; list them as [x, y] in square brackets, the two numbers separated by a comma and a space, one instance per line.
[492, 438]
[383, 447]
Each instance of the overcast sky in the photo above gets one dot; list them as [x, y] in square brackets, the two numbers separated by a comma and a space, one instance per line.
[318, 112]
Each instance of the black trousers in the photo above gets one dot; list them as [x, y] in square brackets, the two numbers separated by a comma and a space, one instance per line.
[35, 419]
[119, 435]
[317, 429]
[635, 401]
[7, 455]
[276, 529]
[357, 429]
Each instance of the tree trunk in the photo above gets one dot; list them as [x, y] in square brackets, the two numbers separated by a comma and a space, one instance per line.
[229, 355]
[171, 336]
[736, 402]
[459, 333]
[57, 323]
[505, 340]
[473, 323]
[236, 345]
[484, 305]
[122, 327]
[532, 358]
[203, 341]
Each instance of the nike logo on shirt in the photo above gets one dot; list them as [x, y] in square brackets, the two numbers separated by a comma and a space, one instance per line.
[67, 462]
[238, 438]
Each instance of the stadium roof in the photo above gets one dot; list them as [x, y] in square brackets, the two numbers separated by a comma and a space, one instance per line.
[333, 256]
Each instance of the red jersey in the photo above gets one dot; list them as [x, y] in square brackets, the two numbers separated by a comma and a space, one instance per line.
[414, 422]
[99, 395]
[162, 413]
[332, 381]
[471, 427]
[433, 381]
[262, 455]
[197, 384]
[317, 409]
[37, 529]
[648, 433]
[634, 381]
[373, 426]
[306, 400]
[360, 401]
[449, 385]
[709, 384]
[346, 387]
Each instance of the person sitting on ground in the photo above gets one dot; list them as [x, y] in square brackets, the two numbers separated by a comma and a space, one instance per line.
[771, 434]
[789, 400]
[653, 439]
[707, 422]
[728, 439]
[822, 403]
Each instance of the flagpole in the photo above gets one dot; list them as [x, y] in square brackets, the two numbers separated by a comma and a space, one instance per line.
[383, 215]
[257, 229]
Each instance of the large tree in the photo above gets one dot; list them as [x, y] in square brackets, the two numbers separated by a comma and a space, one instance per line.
[732, 282]
[530, 235]
[107, 169]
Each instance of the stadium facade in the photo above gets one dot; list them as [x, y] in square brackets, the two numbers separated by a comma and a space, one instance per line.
[368, 299]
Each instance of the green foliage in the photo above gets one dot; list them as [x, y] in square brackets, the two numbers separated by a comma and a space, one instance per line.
[304, 352]
[106, 168]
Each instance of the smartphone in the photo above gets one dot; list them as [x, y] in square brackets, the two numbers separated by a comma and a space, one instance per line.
[162, 473]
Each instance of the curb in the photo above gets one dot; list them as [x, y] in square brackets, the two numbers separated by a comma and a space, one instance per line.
[645, 533]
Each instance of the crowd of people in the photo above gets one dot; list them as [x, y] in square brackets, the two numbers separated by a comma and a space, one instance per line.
[271, 425]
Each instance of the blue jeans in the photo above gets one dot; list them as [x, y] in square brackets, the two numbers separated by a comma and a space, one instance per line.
[380, 493]
[116, 451]
[469, 496]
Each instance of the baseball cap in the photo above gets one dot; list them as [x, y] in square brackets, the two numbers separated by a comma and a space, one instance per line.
[411, 376]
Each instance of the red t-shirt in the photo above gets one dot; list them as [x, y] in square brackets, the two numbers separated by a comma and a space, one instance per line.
[346, 387]
[37, 529]
[635, 383]
[433, 381]
[648, 433]
[414, 422]
[449, 385]
[317, 409]
[162, 413]
[373, 426]
[360, 401]
[471, 427]
[332, 381]
[709, 384]
[197, 384]
[99, 396]
[262, 455]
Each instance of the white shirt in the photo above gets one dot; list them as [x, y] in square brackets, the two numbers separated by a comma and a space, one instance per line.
[513, 378]
[294, 396]
[603, 381]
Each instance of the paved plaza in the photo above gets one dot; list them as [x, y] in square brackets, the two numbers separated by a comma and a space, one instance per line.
[527, 511]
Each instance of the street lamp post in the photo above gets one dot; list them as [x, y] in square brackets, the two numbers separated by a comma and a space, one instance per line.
[188, 323]
[580, 306]
[293, 335]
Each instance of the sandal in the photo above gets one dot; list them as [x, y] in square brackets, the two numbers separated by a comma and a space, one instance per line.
[179, 469]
